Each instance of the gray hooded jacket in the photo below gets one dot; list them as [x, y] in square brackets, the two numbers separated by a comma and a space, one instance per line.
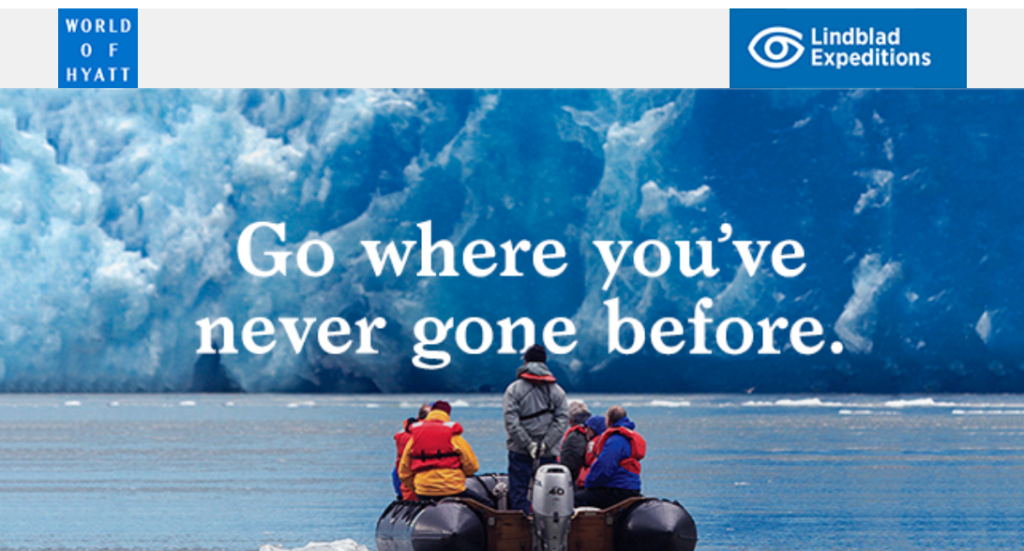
[535, 411]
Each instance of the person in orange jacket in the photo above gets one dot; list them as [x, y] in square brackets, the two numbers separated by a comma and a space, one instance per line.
[437, 459]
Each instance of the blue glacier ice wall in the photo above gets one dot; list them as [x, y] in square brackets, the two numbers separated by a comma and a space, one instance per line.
[120, 212]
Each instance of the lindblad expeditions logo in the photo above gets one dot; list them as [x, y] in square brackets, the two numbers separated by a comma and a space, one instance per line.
[776, 47]
[779, 47]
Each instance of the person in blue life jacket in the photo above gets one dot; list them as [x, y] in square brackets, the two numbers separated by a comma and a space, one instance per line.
[615, 474]
[536, 415]
[595, 427]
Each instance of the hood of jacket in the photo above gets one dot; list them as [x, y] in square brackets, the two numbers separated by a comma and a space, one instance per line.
[596, 424]
[535, 371]
[625, 423]
[438, 415]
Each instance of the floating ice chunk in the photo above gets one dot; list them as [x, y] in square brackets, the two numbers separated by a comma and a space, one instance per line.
[460, 404]
[229, 404]
[340, 545]
[372, 406]
[72, 403]
[988, 412]
[669, 403]
[305, 404]
[917, 403]
[790, 402]
[805, 402]
[114, 404]
[187, 403]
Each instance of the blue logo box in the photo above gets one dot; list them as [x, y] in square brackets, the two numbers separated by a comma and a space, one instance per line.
[98, 48]
[847, 48]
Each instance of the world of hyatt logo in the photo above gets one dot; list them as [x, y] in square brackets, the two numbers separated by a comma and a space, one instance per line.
[780, 47]
[95, 57]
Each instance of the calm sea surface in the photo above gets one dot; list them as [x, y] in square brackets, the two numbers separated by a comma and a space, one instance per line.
[163, 472]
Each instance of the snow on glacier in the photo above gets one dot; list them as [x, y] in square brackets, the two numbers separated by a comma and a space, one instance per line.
[120, 213]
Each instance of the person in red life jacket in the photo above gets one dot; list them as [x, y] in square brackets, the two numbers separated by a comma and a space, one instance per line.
[574, 442]
[595, 427]
[437, 459]
[536, 417]
[615, 475]
[401, 439]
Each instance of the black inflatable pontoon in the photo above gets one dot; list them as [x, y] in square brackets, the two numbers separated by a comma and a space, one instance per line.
[454, 524]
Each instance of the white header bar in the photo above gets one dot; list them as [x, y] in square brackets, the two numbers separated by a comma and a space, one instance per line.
[434, 49]
[581, 5]
[443, 48]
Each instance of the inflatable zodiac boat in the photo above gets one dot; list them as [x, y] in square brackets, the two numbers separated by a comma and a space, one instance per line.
[457, 524]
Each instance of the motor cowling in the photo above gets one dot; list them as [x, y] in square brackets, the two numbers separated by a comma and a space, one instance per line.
[552, 501]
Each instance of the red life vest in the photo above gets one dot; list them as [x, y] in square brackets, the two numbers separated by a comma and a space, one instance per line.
[588, 462]
[637, 446]
[432, 446]
[526, 375]
[401, 439]
[582, 429]
[577, 428]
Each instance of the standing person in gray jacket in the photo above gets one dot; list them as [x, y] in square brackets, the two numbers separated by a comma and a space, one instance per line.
[536, 417]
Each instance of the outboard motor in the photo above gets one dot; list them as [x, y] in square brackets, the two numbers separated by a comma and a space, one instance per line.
[552, 508]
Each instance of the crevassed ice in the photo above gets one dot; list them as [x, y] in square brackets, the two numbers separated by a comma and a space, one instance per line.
[120, 212]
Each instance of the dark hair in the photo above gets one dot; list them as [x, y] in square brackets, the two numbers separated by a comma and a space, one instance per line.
[535, 353]
[424, 411]
[615, 414]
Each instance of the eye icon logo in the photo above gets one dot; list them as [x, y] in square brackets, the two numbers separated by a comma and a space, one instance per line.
[780, 45]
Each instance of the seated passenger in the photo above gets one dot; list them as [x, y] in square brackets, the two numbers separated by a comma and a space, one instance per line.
[574, 441]
[615, 474]
[595, 428]
[401, 439]
[437, 459]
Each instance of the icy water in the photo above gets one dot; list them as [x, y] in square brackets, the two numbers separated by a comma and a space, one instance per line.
[162, 472]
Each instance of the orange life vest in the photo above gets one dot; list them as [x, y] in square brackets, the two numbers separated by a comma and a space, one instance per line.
[432, 446]
[637, 446]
